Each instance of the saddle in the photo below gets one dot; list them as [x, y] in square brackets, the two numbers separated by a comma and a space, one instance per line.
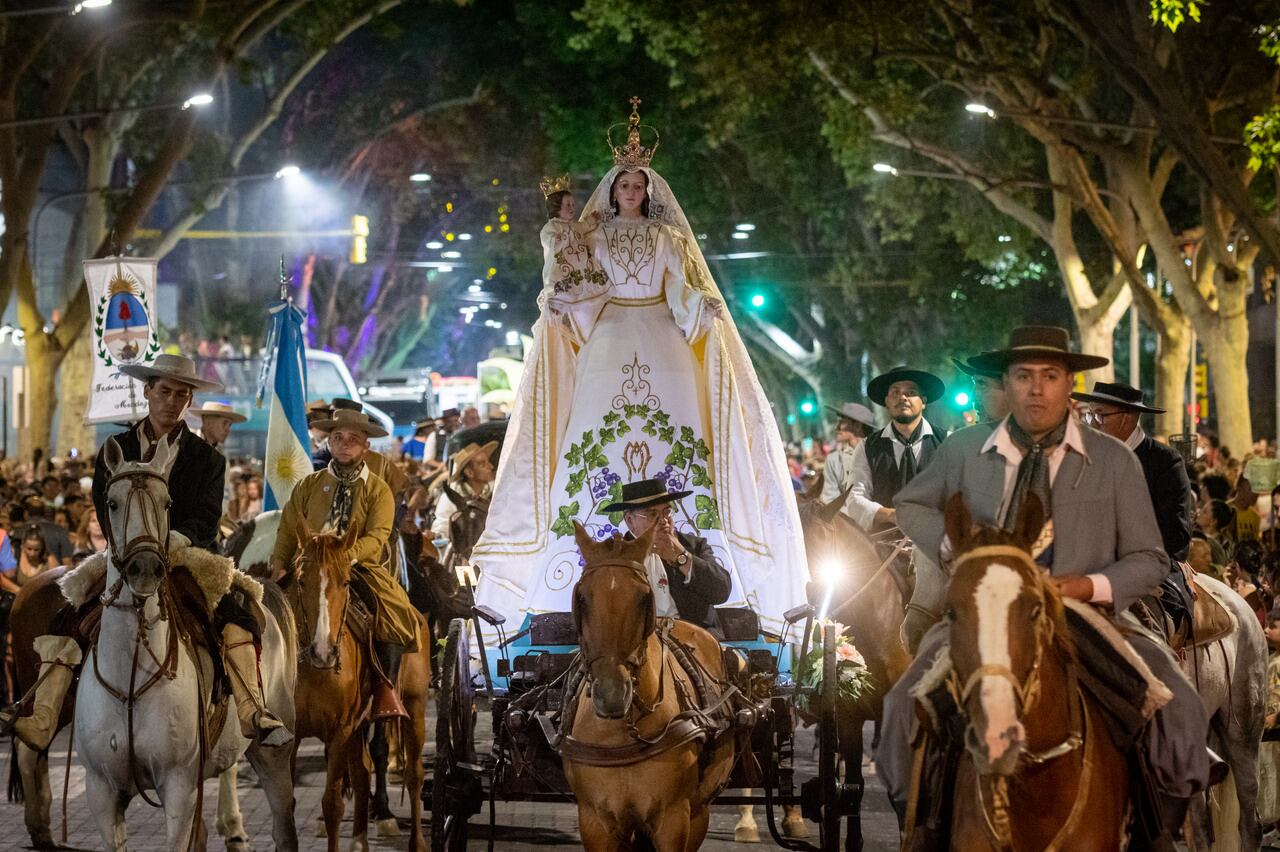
[1210, 618]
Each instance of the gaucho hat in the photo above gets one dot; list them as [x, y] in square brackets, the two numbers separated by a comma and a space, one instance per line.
[930, 385]
[643, 494]
[1118, 394]
[1037, 341]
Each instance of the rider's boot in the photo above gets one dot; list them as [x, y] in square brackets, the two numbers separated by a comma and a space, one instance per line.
[59, 655]
[386, 699]
[256, 721]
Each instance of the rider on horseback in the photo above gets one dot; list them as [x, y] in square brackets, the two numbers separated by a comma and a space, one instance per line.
[1101, 545]
[885, 462]
[343, 494]
[196, 507]
[471, 476]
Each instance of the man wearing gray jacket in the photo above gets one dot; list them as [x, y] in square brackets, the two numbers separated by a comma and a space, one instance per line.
[1100, 544]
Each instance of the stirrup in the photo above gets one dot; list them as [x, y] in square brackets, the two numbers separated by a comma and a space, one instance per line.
[271, 736]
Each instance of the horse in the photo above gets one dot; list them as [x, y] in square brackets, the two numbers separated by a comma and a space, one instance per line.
[1039, 769]
[636, 768]
[866, 596]
[1229, 673]
[448, 598]
[250, 544]
[141, 669]
[335, 685]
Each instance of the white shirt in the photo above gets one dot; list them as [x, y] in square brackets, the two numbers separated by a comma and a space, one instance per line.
[664, 605]
[860, 508]
[1136, 437]
[1073, 441]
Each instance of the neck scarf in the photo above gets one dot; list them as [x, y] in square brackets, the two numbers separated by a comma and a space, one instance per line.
[907, 467]
[343, 497]
[1033, 472]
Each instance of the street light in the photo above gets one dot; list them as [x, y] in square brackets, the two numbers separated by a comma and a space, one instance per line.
[288, 172]
[745, 226]
[980, 109]
[435, 244]
[740, 235]
[885, 169]
[198, 100]
[988, 112]
[420, 177]
[56, 10]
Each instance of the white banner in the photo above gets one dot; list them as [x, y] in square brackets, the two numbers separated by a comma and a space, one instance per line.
[122, 296]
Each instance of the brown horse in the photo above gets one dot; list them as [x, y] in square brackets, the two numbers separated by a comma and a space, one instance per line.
[635, 770]
[336, 681]
[1039, 769]
[865, 595]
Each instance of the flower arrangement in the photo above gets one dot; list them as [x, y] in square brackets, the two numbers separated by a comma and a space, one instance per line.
[854, 680]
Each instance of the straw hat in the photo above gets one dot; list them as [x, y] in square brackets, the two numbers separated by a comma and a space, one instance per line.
[467, 454]
[346, 418]
[217, 409]
[176, 367]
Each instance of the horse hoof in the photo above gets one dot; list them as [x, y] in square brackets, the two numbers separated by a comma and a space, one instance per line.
[388, 827]
[239, 844]
[359, 844]
[795, 828]
[320, 829]
[746, 834]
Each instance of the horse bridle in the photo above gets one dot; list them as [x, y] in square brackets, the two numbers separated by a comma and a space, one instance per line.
[636, 660]
[148, 541]
[304, 625]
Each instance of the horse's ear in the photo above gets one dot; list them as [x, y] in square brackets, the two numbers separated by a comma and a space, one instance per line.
[455, 498]
[585, 542]
[814, 491]
[959, 523]
[112, 455]
[645, 542]
[166, 454]
[1030, 521]
[350, 538]
[828, 511]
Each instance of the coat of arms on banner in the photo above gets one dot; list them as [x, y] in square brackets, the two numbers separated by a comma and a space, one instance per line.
[123, 329]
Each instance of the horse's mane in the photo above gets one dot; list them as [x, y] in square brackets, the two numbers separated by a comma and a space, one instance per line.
[325, 547]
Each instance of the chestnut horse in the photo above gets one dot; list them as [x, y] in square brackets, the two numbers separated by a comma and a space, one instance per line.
[635, 775]
[1039, 769]
[335, 686]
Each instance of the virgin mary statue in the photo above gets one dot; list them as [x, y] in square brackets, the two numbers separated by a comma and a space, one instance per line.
[637, 372]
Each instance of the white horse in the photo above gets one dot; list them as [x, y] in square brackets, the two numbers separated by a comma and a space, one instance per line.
[1230, 674]
[139, 705]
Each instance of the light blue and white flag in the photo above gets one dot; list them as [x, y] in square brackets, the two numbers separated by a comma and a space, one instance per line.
[288, 455]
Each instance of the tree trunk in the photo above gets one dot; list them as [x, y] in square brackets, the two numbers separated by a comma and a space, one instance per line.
[1097, 337]
[1171, 378]
[42, 372]
[1225, 351]
[73, 398]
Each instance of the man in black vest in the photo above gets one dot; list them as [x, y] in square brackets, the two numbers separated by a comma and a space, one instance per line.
[1114, 409]
[886, 461]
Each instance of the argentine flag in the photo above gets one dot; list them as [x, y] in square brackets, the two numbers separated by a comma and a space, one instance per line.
[288, 457]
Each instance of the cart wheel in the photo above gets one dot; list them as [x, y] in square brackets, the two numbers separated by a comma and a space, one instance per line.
[453, 785]
[828, 746]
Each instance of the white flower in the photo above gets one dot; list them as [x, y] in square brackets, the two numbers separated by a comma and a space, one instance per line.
[847, 653]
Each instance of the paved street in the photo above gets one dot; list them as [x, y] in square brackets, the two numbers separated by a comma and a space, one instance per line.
[519, 826]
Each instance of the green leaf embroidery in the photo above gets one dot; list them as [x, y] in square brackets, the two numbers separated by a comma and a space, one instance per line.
[708, 517]
[686, 435]
[597, 459]
[624, 428]
[661, 418]
[702, 450]
[667, 434]
[564, 523]
[612, 418]
[649, 429]
[575, 482]
[698, 476]
[607, 436]
[574, 456]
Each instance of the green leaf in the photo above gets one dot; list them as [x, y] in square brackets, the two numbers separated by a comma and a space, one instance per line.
[575, 482]
[611, 418]
[649, 429]
[698, 476]
[686, 435]
[667, 434]
[564, 523]
[587, 438]
[597, 459]
[708, 517]
[702, 450]
[615, 518]
[661, 418]
[574, 456]
[607, 436]
[624, 428]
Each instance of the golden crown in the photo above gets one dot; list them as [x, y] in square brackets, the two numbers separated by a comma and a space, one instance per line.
[551, 185]
[633, 154]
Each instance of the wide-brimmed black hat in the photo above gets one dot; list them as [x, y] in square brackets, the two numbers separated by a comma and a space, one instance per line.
[966, 366]
[1038, 341]
[930, 385]
[643, 494]
[1119, 395]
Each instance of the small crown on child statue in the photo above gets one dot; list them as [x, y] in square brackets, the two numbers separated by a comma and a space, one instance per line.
[633, 154]
[551, 185]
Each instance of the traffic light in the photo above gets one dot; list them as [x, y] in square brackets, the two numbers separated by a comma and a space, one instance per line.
[1202, 379]
[806, 407]
[758, 300]
[962, 399]
[359, 239]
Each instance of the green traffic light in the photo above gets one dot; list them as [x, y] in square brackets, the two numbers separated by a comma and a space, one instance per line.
[806, 407]
[962, 399]
[757, 300]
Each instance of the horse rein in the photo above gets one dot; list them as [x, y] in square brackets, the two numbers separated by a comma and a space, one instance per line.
[148, 540]
[636, 660]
